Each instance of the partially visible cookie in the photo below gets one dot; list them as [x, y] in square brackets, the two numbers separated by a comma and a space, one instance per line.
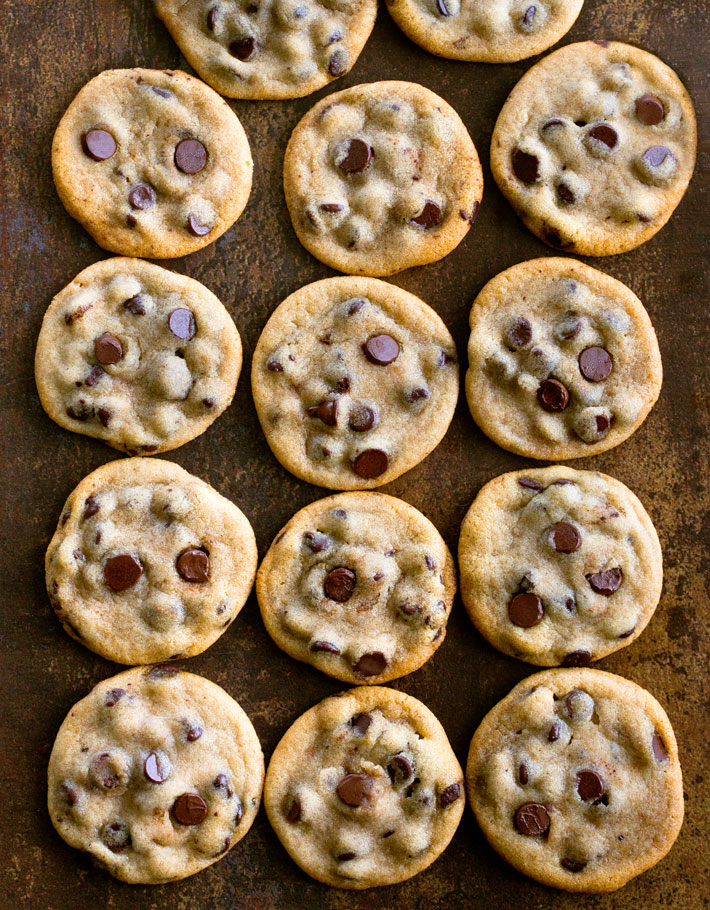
[500, 31]
[575, 780]
[355, 381]
[364, 789]
[595, 147]
[559, 566]
[271, 48]
[148, 563]
[156, 774]
[136, 355]
[151, 162]
[360, 585]
[563, 360]
[381, 177]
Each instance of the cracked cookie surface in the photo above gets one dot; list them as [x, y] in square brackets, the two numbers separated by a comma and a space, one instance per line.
[364, 789]
[137, 356]
[265, 49]
[559, 566]
[157, 773]
[563, 360]
[355, 381]
[381, 177]
[151, 162]
[575, 780]
[595, 147]
[148, 562]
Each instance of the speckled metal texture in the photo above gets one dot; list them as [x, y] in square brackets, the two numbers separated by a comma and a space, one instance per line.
[48, 51]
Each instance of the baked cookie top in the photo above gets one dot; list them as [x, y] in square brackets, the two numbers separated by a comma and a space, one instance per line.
[489, 31]
[151, 162]
[272, 48]
[575, 780]
[136, 355]
[381, 177]
[148, 563]
[559, 566]
[364, 789]
[360, 585]
[595, 147]
[355, 381]
[563, 360]
[156, 774]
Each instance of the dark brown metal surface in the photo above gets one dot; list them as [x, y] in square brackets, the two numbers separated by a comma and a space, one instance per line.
[48, 51]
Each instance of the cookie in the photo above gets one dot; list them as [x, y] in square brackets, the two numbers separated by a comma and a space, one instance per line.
[156, 774]
[559, 566]
[151, 162]
[381, 177]
[137, 356]
[270, 49]
[360, 585]
[364, 789]
[148, 563]
[563, 360]
[575, 780]
[501, 31]
[595, 147]
[355, 381]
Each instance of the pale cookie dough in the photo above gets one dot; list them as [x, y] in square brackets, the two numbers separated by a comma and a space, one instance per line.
[575, 780]
[559, 566]
[148, 563]
[595, 147]
[364, 789]
[381, 177]
[563, 360]
[151, 162]
[269, 48]
[137, 356]
[355, 381]
[156, 774]
[360, 585]
[489, 31]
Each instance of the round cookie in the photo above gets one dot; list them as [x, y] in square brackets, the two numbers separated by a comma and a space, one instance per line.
[156, 774]
[355, 381]
[360, 585]
[364, 789]
[151, 162]
[381, 177]
[137, 356]
[148, 563]
[497, 31]
[559, 566]
[595, 147]
[271, 49]
[563, 360]
[575, 780]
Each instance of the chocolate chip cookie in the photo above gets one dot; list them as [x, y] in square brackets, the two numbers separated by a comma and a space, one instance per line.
[151, 162]
[148, 563]
[559, 566]
[355, 382]
[137, 356]
[497, 31]
[156, 774]
[563, 360]
[360, 585]
[269, 48]
[381, 177]
[364, 789]
[575, 780]
[595, 147]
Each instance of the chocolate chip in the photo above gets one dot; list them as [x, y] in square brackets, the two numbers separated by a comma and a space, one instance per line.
[371, 463]
[108, 349]
[381, 349]
[354, 306]
[530, 484]
[327, 411]
[572, 865]
[528, 17]
[161, 92]
[157, 768]
[429, 217]
[274, 366]
[102, 771]
[190, 156]
[603, 423]
[518, 332]
[221, 782]
[568, 327]
[551, 124]
[116, 836]
[91, 507]
[595, 364]
[473, 215]
[565, 538]
[532, 819]
[628, 634]
[362, 418]
[552, 395]
[358, 156]
[162, 671]
[104, 416]
[294, 813]
[399, 769]
[189, 809]
[193, 565]
[243, 48]
[371, 664]
[449, 795]
[565, 194]
[525, 610]
[345, 857]
[324, 646]
[339, 584]
[113, 696]
[361, 723]
[414, 395]
[606, 582]
[525, 166]
[134, 305]
[523, 774]
[658, 747]
[656, 155]
[142, 197]
[649, 110]
[181, 323]
[192, 731]
[316, 542]
[590, 785]
[577, 659]
[121, 572]
[338, 63]
[131, 220]
[330, 207]
[80, 411]
[356, 790]
[70, 794]
[605, 134]
[212, 18]
[98, 144]
[553, 734]
[441, 7]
